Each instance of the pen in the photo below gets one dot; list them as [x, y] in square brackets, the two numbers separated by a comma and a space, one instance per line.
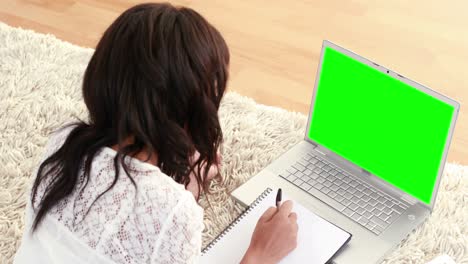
[278, 198]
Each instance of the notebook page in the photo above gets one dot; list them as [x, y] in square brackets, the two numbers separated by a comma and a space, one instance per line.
[318, 240]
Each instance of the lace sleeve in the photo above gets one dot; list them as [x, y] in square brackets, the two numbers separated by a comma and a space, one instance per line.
[181, 235]
[56, 140]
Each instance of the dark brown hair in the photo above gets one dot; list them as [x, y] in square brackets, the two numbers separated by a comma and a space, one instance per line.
[157, 75]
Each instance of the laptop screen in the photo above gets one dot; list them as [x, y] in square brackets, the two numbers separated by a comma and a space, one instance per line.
[379, 123]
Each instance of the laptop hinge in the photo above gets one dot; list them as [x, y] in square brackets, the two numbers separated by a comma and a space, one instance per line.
[409, 199]
[321, 152]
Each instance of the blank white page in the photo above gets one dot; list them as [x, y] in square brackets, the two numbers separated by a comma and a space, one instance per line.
[318, 240]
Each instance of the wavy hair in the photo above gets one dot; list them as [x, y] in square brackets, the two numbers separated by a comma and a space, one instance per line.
[157, 76]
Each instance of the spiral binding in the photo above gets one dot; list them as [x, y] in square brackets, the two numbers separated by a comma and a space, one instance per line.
[237, 220]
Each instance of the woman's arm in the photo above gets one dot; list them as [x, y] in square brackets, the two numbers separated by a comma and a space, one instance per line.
[181, 235]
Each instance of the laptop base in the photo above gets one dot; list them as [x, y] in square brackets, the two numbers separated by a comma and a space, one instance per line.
[365, 246]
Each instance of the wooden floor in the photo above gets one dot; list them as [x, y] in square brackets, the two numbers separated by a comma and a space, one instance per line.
[275, 45]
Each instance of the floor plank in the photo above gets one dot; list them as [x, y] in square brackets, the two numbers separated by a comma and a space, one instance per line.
[275, 45]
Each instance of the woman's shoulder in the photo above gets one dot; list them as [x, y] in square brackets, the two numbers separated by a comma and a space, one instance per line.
[154, 188]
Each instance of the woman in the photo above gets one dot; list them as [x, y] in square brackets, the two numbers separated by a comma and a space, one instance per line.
[122, 187]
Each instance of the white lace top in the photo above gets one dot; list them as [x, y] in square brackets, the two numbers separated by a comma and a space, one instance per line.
[160, 222]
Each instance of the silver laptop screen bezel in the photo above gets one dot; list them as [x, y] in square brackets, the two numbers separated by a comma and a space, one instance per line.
[414, 84]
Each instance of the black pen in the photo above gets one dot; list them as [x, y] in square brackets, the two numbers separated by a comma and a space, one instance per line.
[278, 197]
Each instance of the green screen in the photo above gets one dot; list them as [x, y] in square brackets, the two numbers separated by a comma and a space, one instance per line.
[379, 123]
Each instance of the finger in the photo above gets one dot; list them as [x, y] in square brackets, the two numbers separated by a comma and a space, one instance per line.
[194, 157]
[286, 207]
[293, 217]
[212, 172]
[268, 214]
[219, 158]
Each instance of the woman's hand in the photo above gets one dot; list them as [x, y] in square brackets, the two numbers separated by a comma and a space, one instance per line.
[275, 236]
[213, 171]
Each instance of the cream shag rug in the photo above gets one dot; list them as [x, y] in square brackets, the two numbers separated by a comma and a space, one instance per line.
[40, 78]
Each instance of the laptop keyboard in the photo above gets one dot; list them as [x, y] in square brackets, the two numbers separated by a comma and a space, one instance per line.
[357, 200]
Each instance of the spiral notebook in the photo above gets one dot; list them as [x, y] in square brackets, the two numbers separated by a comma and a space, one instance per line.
[317, 242]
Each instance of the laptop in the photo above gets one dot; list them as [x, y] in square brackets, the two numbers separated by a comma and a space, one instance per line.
[372, 157]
